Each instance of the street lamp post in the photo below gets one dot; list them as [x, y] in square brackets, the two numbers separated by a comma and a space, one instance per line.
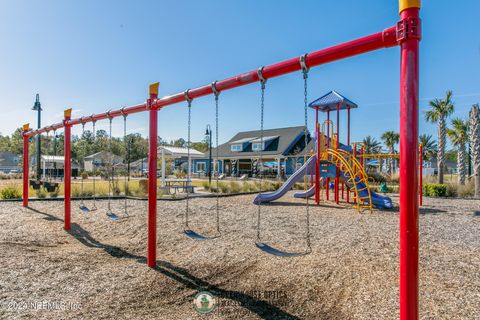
[208, 132]
[38, 107]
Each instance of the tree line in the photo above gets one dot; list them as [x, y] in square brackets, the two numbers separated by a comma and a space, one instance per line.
[131, 147]
[464, 134]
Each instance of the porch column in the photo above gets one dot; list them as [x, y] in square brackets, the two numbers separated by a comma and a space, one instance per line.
[163, 167]
[279, 168]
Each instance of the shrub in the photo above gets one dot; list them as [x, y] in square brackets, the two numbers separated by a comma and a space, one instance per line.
[467, 190]
[205, 185]
[224, 188]
[41, 194]
[10, 192]
[377, 177]
[84, 175]
[54, 194]
[235, 187]
[435, 190]
[452, 190]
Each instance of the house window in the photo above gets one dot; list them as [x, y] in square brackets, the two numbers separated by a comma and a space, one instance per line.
[236, 147]
[201, 166]
[257, 146]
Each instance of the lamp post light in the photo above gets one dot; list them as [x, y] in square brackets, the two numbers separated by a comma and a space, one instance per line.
[38, 107]
[208, 132]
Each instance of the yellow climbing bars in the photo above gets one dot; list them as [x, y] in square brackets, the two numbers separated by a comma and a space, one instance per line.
[362, 176]
[354, 175]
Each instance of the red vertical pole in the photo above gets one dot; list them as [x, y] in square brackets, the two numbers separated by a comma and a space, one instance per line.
[408, 34]
[327, 184]
[152, 179]
[420, 173]
[317, 164]
[67, 168]
[26, 127]
[337, 179]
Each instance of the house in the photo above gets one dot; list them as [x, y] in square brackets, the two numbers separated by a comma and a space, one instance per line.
[9, 162]
[100, 160]
[139, 166]
[432, 164]
[282, 153]
[179, 156]
[53, 166]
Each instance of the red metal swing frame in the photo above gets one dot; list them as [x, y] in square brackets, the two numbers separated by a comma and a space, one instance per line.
[406, 34]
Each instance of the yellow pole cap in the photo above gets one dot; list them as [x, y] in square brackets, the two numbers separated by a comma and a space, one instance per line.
[154, 88]
[26, 127]
[406, 4]
[67, 113]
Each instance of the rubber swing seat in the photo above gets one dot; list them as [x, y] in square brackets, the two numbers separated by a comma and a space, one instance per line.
[84, 209]
[112, 216]
[276, 252]
[195, 236]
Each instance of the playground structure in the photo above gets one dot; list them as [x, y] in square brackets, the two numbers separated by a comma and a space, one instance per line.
[406, 34]
[332, 160]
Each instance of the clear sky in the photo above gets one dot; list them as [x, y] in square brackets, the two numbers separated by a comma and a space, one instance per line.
[98, 55]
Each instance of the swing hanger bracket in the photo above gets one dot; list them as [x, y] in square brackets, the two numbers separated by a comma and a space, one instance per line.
[124, 114]
[214, 89]
[109, 116]
[261, 78]
[187, 96]
[303, 64]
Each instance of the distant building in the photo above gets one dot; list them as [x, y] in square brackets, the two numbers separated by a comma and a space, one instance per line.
[53, 166]
[282, 153]
[9, 162]
[432, 165]
[100, 160]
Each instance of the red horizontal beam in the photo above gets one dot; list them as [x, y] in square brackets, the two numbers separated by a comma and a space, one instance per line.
[384, 39]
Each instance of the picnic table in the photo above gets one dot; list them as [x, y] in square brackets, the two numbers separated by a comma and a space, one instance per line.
[178, 184]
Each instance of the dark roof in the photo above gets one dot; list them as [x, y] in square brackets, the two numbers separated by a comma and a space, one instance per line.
[329, 102]
[287, 138]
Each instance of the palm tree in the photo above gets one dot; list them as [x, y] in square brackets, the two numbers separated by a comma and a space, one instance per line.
[371, 145]
[390, 138]
[440, 109]
[429, 146]
[474, 135]
[459, 137]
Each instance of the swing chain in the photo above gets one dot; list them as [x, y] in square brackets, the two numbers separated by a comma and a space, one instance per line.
[217, 204]
[110, 182]
[125, 182]
[93, 166]
[83, 194]
[305, 70]
[189, 101]
[260, 159]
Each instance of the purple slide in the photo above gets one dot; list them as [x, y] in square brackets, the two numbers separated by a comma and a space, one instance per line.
[297, 176]
[305, 194]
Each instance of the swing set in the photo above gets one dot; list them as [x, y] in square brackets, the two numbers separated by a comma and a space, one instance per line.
[406, 34]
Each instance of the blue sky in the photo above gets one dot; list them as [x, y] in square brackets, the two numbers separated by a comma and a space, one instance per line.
[98, 55]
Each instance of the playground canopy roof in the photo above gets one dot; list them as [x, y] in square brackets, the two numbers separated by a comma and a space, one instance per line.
[329, 102]
[177, 152]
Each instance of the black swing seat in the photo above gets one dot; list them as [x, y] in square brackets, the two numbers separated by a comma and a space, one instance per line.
[35, 184]
[196, 236]
[276, 252]
[112, 216]
[50, 186]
